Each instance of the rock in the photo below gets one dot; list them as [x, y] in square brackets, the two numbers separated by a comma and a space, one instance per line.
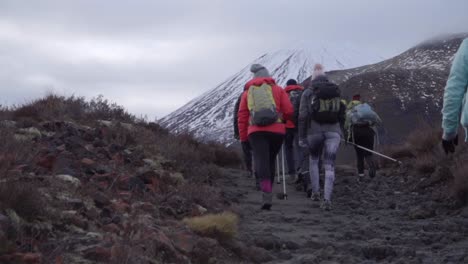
[126, 126]
[26, 134]
[69, 179]
[205, 249]
[268, 242]
[184, 241]
[177, 178]
[420, 212]
[7, 234]
[105, 123]
[87, 162]
[378, 251]
[101, 200]
[112, 228]
[8, 124]
[257, 255]
[98, 253]
[31, 258]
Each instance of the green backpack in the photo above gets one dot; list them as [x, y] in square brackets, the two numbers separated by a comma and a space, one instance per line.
[262, 105]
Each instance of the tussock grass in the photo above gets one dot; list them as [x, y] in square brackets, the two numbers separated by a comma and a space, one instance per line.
[425, 164]
[424, 140]
[460, 184]
[221, 226]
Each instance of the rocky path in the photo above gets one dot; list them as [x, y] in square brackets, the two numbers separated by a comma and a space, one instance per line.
[377, 221]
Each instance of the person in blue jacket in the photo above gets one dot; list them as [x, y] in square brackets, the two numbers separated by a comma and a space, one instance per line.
[455, 100]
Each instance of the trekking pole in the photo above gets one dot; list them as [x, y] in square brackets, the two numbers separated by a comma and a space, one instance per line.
[374, 152]
[284, 177]
[278, 181]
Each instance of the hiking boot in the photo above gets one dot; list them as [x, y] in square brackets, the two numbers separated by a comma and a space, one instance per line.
[360, 177]
[315, 197]
[372, 170]
[326, 205]
[309, 194]
[267, 201]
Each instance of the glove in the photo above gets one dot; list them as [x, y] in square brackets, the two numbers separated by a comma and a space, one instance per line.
[303, 143]
[449, 145]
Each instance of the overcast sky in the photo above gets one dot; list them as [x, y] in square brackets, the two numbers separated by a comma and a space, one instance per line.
[153, 56]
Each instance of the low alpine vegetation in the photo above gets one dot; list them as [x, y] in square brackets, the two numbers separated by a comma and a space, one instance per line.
[221, 226]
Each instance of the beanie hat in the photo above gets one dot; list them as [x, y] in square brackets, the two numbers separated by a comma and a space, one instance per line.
[291, 82]
[356, 97]
[259, 70]
[318, 71]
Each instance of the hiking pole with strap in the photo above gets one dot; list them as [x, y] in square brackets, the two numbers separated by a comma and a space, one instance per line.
[283, 196]
[374, 152]
[278, 181]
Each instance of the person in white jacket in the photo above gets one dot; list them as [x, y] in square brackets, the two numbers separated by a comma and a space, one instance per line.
[455, 100]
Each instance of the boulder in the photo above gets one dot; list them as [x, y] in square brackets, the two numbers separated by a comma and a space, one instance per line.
[75, 182]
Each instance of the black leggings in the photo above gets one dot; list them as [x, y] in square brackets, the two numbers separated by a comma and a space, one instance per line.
[265, 148]
[363, 136]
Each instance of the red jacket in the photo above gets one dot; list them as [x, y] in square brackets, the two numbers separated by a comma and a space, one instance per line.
[283, 106]
[288, 89]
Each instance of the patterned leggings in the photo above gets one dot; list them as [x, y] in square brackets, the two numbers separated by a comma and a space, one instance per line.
[329, 142]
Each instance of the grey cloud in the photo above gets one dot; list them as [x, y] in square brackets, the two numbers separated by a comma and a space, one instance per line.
[153, 56]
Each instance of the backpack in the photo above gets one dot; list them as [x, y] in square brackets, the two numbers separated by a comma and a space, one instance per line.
[295, 98]
[326, 103]
[262, 105]
[363, 114]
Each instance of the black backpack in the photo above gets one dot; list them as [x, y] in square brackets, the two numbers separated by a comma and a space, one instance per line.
[295, 98]
[326, 103]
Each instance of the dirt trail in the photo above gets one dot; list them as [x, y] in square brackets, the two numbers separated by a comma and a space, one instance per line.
[377, 221]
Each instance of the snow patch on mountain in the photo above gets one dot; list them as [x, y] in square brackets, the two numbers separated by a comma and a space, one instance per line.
[209, 116]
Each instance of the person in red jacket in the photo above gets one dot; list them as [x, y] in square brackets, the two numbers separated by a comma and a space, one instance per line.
[266, 140]
[293, 153]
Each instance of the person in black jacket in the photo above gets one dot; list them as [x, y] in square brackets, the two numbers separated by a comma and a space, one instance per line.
[246, 149]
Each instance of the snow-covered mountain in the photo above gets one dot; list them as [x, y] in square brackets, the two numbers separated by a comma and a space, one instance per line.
[406, 90]
[209, 117]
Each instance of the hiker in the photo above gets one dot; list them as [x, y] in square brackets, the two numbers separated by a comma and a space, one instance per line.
[455, 104]
[263, 110]
[246, 149]
[321, 118]
[359, 127]
[294, 154]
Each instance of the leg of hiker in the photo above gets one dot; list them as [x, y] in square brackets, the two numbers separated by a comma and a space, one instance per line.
[360, 161]
[332, 143]
[248, 160]
[315, 142]
[364, 136]
[265, 147]
[290, 153]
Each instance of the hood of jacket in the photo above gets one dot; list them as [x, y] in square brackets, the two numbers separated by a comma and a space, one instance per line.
[259, 81]
[293, 88]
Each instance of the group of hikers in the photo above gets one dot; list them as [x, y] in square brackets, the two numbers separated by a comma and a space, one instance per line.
[310, 123]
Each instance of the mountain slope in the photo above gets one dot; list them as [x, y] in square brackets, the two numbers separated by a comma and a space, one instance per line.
[406, 90]
[209, 117]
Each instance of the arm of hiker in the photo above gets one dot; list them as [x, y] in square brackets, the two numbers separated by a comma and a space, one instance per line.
[286, 106]
[235, 118]
[455, 92]
[243, 118]
[303, 115]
